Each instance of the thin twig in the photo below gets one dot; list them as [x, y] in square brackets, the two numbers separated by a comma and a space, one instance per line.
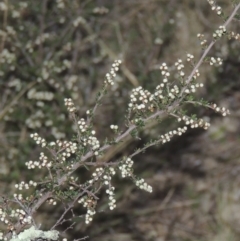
[70, 206]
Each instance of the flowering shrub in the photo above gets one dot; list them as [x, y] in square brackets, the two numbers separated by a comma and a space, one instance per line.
[61, 158]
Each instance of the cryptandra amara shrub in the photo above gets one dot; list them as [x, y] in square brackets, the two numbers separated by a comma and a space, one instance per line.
[62, 158]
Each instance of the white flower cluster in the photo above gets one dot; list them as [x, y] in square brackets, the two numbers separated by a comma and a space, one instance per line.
[70, 105]
[97, 174]
[113, 127]
[35, 120]
[79, 20]
[100, 10]
[7, 57]
[234, 35]
[15, 14]
[179, 65]
[39, 140]
[21, 215]
[66, 64]
[173, 92]
[139, 98]
[126, 168]
[18, 196]
[143, 185]
[112, 200]
[50, 66]
[193, 88]
[72, 79]
[219, 32]
[41, 39]
[217, 61]
[167, 137]
[221, 110]
[15, 83]
[60, 4]
[51, 201]
[10, 30]
[65, 148]
[110, 190]
[164, 71]
[189, 57]
[82, 125]
[3, 216]
[214, 7]
[29, 46]
[112, 73]
[23, 5]
[196, 74]
[158, 92]
[3, 6]
[89, 215]
[194, 123]
[93, 142]
[22, 185]
[40, 95]
[202, 39]
[106, 176]
[39, 164]
[107, 179]
[89, 203]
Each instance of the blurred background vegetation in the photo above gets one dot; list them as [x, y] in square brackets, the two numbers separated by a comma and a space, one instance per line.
[56, 49]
